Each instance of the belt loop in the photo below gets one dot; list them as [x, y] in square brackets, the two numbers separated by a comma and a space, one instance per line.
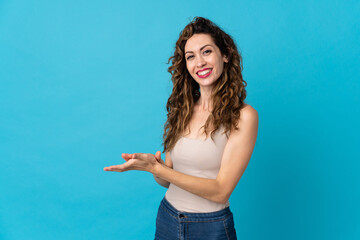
[182, 215]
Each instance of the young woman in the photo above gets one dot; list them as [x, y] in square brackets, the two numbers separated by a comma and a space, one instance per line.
[209, 137]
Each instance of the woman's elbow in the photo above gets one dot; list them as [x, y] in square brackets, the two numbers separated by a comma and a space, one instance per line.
[222, 198]
[222, 194]
[162, 182]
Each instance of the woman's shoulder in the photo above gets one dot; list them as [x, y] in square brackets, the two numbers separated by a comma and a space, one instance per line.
[248, 114]
[248, 111]
[247, 124]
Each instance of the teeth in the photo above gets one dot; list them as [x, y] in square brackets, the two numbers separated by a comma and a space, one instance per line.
[204, 72]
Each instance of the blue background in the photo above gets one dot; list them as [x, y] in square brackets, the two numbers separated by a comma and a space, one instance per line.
[84, 81]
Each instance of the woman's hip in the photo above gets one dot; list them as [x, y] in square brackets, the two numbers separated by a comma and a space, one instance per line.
[173, 224]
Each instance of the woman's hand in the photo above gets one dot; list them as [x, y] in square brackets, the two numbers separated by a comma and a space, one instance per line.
[137, 161]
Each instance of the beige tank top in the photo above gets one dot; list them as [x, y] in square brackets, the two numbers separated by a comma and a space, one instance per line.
[200, 158]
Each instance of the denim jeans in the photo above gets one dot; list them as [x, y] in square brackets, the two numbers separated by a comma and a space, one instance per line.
[172, 224]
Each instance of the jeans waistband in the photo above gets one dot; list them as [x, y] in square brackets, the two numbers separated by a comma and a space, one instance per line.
[196, 216]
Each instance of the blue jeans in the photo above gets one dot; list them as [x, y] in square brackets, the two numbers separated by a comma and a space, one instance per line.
[172, 224]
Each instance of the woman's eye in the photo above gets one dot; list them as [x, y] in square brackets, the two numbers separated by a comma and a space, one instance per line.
[206, 51]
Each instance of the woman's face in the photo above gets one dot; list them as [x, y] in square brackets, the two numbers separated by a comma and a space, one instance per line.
[203, 59]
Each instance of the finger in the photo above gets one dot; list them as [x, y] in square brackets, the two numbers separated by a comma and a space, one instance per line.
[115, 168]
[129, 165]
[120, 168]
[158, 155]
[126, 156]
[129, 155]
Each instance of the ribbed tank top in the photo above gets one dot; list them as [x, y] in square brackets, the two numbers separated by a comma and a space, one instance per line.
[200, 158]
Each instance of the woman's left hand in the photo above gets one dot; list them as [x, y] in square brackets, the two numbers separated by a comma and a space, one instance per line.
[136, 161]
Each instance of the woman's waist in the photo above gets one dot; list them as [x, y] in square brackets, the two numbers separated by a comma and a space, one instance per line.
[185, 201]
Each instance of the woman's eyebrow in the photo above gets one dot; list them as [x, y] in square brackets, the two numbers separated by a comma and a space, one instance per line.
[200, 48]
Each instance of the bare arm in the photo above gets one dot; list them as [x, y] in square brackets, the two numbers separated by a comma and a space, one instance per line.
[236, 156]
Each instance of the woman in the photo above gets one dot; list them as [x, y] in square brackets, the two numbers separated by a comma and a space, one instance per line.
[201, 168]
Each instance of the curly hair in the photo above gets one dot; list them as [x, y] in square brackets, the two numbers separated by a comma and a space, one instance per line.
[228, 93]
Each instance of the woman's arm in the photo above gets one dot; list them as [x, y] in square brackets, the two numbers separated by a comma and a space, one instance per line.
[236, 156]
[162, 182]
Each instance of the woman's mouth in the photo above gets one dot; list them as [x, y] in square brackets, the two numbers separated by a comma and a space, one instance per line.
[205, 73]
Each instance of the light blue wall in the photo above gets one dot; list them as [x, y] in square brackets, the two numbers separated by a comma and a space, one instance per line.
[84, 81]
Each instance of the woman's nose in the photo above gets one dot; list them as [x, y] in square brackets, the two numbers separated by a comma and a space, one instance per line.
[200, 62]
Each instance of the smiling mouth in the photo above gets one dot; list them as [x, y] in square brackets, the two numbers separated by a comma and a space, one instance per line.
[205, 73]
[204, 70]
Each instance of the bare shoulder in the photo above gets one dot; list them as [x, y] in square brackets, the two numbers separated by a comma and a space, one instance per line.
[248, 114]
[248, 122]
[248, 109]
